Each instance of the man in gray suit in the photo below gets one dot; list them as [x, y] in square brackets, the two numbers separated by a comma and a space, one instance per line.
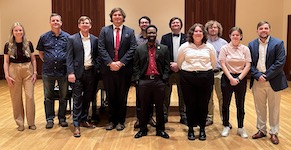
[268, 79]
[117, 45]
[82, 65]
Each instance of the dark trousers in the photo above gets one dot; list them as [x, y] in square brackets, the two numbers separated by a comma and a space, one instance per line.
[151, 92]
[174, 79]
[116, 84]
[83, 92]
[138, 106]
[196, 89]
[239, 92]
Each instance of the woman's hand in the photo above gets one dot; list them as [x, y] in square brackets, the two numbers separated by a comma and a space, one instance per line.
[10, 81]
[234, 81]
[33, 78]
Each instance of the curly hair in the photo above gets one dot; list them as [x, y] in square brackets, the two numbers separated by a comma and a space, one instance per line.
[191, 32]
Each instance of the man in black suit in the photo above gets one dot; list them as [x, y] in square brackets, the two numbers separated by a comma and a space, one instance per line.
[151, 68]
[82, 55]
[173, 40]
[117, 45]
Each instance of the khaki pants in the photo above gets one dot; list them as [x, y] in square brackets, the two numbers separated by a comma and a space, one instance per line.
[22, 74]
[217, 86]
[264, 94]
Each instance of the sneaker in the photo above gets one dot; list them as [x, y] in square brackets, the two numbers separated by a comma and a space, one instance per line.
[225, 131]
[242, 132]
[49, 125]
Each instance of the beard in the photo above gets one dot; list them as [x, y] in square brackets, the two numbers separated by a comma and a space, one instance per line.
[151, 39]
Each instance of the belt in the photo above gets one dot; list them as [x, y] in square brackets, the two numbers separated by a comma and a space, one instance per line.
[87, 67]
[152, 77]
[217, 70]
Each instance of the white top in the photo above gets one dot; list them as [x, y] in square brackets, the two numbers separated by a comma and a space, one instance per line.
[261, 66]
[114, 34]
[87, 50]
[176, 45]
[193, 58]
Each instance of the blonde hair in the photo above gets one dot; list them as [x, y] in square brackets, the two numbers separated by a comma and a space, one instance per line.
[12, 48]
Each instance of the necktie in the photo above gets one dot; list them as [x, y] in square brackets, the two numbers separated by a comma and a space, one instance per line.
[117, 42]
[177, 35]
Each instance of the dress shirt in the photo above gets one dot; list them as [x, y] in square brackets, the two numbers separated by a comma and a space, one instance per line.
[114, 33]
[176, 45]
[87, 50]
[193, 58]
[152, 66]
[261, 66]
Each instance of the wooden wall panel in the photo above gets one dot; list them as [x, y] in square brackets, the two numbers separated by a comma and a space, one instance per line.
[287, 67]
[201, 11]
[71, 10]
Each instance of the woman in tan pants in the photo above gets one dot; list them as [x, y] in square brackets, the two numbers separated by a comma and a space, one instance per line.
[20, 71]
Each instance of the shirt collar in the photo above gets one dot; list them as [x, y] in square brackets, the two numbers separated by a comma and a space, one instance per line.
[266, 42]
[120, 27]
[88, 37]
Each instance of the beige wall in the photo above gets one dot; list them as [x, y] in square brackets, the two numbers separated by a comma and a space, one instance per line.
[160, 12]
[34, 15]
[250, 12]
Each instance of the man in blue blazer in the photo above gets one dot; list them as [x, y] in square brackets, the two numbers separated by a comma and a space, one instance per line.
[82, 65]
[268, 79]
[173, 40]
[117, 45]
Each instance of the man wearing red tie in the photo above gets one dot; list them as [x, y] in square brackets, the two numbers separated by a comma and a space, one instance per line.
[116, 48]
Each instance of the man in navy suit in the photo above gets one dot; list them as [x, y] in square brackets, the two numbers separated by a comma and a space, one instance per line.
[117, 45]
[173, 40]
[151, 68]
[268, 79]
[82, 65]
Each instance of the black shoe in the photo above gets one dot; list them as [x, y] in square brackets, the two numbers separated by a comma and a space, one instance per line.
[63, 124]
[136, 124]
[140, 134]
[184, 121]
[191, 135]
[162, 134]
[152, 122]
[49, 125]
[202, 135]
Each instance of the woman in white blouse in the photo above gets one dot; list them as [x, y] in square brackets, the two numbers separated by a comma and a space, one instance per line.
[196, 59]
[235, 60]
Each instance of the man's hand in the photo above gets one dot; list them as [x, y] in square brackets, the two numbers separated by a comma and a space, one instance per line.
[72, 78]
[174, 66]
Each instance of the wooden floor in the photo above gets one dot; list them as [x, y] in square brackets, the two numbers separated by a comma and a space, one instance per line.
[98, 138]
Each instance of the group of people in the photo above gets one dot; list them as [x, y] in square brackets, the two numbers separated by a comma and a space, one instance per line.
[194, 62]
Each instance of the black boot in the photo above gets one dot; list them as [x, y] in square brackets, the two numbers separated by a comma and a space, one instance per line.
[202, 134]
[191, 135]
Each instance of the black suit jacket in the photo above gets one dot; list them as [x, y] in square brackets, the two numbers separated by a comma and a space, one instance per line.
[126, 49]
[141, 61]
[275, 60]
[167, 40]
[75, 54]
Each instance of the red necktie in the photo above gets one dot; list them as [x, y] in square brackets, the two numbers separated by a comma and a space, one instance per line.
[117, 42]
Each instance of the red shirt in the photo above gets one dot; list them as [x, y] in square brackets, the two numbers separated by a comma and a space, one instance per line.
[152, 66]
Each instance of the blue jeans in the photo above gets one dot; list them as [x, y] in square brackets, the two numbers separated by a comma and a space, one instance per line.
[49, 105]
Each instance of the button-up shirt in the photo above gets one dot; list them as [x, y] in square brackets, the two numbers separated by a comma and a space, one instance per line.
[152, 66]
[54, 48]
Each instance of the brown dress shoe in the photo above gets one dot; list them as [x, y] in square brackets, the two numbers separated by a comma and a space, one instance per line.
[258, 135]
[274, 139]
[77, 132]
[87, 125]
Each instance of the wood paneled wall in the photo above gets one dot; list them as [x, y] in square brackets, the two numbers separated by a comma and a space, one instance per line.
[287, 67]
[201, 11]
[71, 10]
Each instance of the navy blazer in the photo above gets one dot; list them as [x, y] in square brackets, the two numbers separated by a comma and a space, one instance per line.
[141, 61]
[75, 54]
[126, 49]
[275, 60]
[167, 40]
